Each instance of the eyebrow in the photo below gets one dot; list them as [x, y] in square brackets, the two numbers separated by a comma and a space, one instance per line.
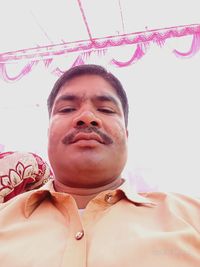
[96, 98]
[68, 98]
[105, 98]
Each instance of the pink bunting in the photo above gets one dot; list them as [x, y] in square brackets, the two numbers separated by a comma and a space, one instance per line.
[100, 46]
[195, 46]
[28, 67]
[138, 54]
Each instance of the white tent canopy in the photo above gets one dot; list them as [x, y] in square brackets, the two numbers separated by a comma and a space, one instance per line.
[33, 23]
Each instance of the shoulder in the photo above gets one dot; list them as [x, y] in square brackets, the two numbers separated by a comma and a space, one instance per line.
[182, 205]
[22, 198]
[176, 199]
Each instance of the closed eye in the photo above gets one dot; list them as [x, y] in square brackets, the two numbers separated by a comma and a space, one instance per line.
[106, 110]
[67, 110]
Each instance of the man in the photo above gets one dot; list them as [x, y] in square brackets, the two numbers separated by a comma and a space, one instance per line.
[88, 216]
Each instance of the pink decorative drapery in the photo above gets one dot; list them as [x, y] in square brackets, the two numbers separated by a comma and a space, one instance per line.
[141, 42]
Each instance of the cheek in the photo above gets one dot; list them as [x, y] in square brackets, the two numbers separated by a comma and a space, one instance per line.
[56, 130]
[118, 133]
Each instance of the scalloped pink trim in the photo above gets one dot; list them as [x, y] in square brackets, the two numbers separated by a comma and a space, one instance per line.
[48, 53]
[195, 47]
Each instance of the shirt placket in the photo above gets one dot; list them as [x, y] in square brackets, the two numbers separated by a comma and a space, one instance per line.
[75, 250]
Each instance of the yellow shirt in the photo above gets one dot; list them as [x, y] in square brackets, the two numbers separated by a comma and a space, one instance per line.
[118, 228]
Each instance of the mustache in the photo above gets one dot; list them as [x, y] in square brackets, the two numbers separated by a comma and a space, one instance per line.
[68, 139]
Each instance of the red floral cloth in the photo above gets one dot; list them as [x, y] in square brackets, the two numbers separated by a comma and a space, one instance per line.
[21, 172]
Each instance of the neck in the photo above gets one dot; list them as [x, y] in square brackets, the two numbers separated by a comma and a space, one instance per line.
[83, 195]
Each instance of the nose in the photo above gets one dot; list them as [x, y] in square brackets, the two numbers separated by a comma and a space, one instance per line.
[86, 119]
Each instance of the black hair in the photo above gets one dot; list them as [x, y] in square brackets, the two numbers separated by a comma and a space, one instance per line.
[90, 69]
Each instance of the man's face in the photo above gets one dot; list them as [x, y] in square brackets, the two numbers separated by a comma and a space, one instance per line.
[87, 143]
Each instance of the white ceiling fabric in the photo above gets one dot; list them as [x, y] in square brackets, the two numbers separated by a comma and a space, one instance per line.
[32, 23]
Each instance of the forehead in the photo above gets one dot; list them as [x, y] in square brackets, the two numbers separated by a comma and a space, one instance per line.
[88, 85]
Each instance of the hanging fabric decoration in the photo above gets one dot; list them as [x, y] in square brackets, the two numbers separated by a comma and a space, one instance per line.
[81, 59]
[138, 54]
[47, 62]
[86, 48]
[28, 67]
[195, 47]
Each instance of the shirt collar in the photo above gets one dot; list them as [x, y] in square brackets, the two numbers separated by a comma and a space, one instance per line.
[133, 196]
[35, 197]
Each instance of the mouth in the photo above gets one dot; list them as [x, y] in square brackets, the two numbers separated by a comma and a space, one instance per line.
[90, 134]
[87, 137]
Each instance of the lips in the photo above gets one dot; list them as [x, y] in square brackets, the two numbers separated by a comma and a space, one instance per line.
[88, 133]
[87, 136]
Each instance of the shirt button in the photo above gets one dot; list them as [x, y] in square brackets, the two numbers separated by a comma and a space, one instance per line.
[79, 235]
[108, 198]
